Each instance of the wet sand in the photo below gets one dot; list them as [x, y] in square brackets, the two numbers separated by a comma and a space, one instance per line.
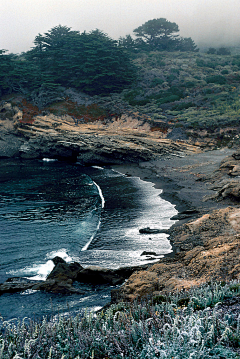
[184, 180]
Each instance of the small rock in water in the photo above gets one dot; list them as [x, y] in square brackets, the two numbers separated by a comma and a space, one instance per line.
[149, 230]
[145, 253]
[57, 260]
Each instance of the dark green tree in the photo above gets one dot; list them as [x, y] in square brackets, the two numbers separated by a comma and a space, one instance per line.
[157, 33]
[6, 66]
[106, 67]
[127, 43]
[223, 51]
[186, 44]
[211, 51]
[91, 61]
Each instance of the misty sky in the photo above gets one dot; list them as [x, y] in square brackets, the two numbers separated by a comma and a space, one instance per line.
[207, 22]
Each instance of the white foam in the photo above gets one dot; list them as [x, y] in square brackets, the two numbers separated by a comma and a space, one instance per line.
[60, 253]
[40, 271]
[99, 223]
[100, 194]
[28, 291]
[49, 159]
[90, 240]
[98, 167]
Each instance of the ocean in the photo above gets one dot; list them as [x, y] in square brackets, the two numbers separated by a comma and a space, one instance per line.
[91, 215]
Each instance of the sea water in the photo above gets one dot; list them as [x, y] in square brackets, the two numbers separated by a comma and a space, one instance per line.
[91, 215]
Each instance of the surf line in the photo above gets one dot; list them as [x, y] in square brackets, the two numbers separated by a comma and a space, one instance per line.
[99, 223]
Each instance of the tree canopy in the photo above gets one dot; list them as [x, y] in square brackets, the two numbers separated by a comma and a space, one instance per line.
[155, 29]
[92, 61]
[160, 34]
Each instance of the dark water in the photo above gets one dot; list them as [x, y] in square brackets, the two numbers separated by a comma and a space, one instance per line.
[89, 215]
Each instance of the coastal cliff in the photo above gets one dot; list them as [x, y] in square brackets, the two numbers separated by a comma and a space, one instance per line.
[125, 139]
[204, 185]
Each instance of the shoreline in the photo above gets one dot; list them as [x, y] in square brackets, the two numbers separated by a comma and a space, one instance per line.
[176, 176]
[181, 184]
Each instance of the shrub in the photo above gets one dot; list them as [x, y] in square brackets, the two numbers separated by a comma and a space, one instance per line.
[217, 79]
[157, 81]
[181, 325]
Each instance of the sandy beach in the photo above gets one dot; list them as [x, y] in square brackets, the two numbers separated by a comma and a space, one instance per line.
[184, 180]
[205, 238]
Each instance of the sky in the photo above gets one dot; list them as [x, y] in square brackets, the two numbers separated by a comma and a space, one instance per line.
[208, 22]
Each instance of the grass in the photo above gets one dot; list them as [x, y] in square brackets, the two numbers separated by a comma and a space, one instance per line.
[181, 326]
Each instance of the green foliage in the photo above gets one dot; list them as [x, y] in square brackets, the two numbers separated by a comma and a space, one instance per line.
[236, 61]
[211, 51]
[161, 34]
[223, 51]
[6, 66]
[217, 79]
[224, 72]
[202, 63]
[104, 67]
[183, 106]
[182, 325]
[91, 62]
[155, 82]
[155, 29]
[186, 44]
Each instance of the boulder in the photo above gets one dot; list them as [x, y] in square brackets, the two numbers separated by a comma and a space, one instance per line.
[145, 253]
[236, 155]
[99, 275]
[13, 285]
[235, 171]
[209, 251]
[57, 260]
[64, 271]
[149, 230]
[57, 287]
[231, 189]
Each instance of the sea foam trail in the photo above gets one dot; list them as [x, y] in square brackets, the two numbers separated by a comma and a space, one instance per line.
[100, 194]
[99, 223]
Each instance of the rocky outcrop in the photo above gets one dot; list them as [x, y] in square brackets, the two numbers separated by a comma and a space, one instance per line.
[10, 141]
[149, 230]
[98, 275]
[226, 180]
[63, 275]
[57, 287]
[65, 271]
[16, 284]
[207, 249]
[90, 143]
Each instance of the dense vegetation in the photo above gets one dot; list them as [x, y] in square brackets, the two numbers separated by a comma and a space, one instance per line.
[158, 34]
[157, 76]
[190, 92]
[186, 325]
[91, 62]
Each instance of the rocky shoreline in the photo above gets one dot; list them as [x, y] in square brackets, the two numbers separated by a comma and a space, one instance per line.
[204, 186]
[206, 237]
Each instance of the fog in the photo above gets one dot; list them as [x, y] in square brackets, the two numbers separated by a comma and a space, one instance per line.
[208, 22]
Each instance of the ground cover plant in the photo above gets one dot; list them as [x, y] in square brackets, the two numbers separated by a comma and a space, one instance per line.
[201, 323]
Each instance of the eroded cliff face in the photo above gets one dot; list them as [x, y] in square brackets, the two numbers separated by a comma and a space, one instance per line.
[119, 140]
[208, 249]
